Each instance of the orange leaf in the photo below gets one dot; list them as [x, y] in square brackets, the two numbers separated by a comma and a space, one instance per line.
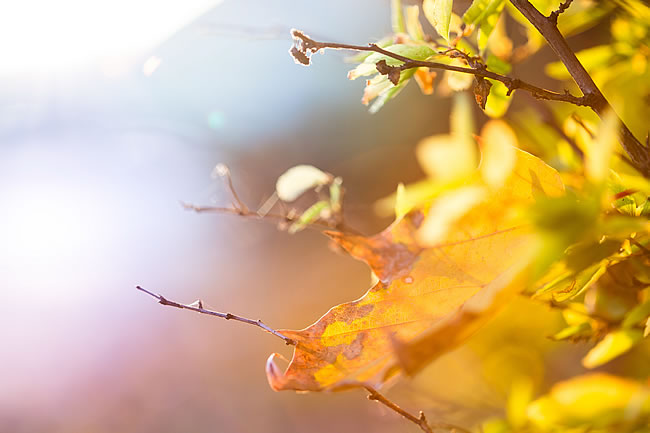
[428, 299]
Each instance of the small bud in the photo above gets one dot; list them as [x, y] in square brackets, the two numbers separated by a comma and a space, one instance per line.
[220, 170]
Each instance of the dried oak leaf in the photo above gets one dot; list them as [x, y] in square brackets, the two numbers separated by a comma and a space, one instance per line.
[428, 299]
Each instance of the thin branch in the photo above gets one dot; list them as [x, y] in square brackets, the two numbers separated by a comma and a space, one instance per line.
[222, 171]
[198, 307]
[239, 208]
[282, 218]
[593, 97]
[556, 13]
[305, 46]
[420, 421]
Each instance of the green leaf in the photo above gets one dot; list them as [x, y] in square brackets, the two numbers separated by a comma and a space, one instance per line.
[391, 92]
[613, 345]
[484, 14]
[335, 194]
[572, 331]
[309, 216]
[487, 25]
[591, 58]
[479, 9]
[397, 18]
[438, 12]
[415, 52]
[576, 19]
[498, 101]
[637, 315]
[497, 65]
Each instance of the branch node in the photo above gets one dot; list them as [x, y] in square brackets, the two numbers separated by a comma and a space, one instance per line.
[556, 13]
[513, 85]
[392, 72]
[199, 309]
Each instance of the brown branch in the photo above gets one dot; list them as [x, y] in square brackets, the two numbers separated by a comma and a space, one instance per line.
[305, 46]
[593, 97]
[420, 421]
[198, 307]
[556, 13]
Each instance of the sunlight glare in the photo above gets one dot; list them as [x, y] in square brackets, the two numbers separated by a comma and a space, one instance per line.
[44, 36]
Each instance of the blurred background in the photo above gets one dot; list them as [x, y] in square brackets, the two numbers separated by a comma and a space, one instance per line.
[113, 112]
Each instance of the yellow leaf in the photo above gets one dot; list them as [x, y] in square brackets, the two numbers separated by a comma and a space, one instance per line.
[498, 144]
[594, 400]
[438, 12]
[614, 344]
[401, 204]
[446, 210]
[427, 300]
[447, 157]
[413, 26]
[599, 153]
[424, 77]
[458, 81]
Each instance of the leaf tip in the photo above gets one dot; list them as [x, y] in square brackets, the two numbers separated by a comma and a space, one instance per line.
[274, 374]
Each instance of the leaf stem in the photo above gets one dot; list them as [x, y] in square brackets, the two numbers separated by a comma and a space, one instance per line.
[198, 308]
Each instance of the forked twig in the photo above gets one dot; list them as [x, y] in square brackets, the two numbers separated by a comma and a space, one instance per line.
[556, 13]
[421, 420]
[198, 308]
[375, 395]
[287, 217]
[638, 154]
[305, 45]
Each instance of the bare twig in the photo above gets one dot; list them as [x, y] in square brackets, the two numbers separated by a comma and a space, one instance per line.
[288, 217]
[198, 307]
[222, 171]
[593, 97]
[282, 218]
[556, 13]
[306, 46]
[421, 420]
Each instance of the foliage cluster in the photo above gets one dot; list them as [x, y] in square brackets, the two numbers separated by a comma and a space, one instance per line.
[542, 202]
